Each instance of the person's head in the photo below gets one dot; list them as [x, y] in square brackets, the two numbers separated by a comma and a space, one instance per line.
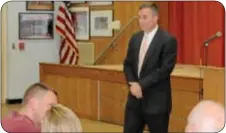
[148, 17]
[206, 116]
[61, 119]
[37, 100]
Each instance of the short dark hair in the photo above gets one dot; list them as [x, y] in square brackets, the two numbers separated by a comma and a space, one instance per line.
[153, 7]
[36, 89]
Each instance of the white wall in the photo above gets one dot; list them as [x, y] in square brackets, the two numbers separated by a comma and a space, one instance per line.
[23, 66]
[3, 52]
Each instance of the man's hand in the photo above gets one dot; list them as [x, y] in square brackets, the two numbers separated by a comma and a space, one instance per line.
[135, 89]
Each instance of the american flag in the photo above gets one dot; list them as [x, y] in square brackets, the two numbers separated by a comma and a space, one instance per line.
[65, 28]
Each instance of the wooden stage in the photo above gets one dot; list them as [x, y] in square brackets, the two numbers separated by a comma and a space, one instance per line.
[100, 92]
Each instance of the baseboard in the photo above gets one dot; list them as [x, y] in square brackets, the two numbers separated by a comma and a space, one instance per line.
[13, 101]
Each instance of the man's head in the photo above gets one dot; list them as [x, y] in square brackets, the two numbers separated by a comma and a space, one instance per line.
[148, 17]
[206, 116]
[38, 99]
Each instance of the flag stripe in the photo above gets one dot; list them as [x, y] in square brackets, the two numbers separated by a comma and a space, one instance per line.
[67, 14]
[72, 57]
[66, 23]
[62, 46]
[65, 56]
[67, 35]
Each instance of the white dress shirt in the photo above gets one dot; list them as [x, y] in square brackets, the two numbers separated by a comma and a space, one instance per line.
[149, 36]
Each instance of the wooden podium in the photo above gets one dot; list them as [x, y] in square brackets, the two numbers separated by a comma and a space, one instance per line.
[213, 84]
[100, 92]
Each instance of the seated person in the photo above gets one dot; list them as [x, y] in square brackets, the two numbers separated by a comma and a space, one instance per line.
[37, 100]
[206, 116]
[61, 119]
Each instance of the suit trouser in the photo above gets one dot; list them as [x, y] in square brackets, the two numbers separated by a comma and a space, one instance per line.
[135, 121]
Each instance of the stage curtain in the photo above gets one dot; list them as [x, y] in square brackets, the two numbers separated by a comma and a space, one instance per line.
[194, 22]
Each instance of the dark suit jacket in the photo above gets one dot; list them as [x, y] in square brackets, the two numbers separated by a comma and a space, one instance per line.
[154, 79]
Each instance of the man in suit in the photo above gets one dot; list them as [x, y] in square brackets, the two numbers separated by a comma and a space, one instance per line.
[150, 59]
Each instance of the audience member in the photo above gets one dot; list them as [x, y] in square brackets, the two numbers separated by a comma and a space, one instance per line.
[206, 116]
[38, 99]
[61, 119]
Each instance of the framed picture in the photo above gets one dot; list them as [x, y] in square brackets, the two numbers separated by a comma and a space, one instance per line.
[100, 23]
[40, 5]
[81, 16]
[100, 3]
[36, 25]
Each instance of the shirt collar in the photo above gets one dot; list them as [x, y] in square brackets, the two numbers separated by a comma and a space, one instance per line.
[152, 33]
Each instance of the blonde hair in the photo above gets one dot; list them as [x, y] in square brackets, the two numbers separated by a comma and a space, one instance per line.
[61, 119]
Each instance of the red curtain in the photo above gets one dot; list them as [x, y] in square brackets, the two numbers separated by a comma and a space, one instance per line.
[194, 22]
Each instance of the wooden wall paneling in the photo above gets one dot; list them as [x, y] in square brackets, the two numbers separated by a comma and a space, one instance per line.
[112, 102]
[214, 85]
[75, 92]
[87, 97]
[100, 44]
[186, 84]
[182, 104]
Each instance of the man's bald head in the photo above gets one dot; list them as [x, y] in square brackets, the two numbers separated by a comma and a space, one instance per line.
[206, 116]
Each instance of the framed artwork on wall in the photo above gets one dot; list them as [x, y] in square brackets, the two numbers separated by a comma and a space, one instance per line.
[36, 25]
[40, 5]
[81, 16]
[100, 23]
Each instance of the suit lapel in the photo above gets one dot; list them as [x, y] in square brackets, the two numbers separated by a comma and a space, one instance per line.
[152, 47]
